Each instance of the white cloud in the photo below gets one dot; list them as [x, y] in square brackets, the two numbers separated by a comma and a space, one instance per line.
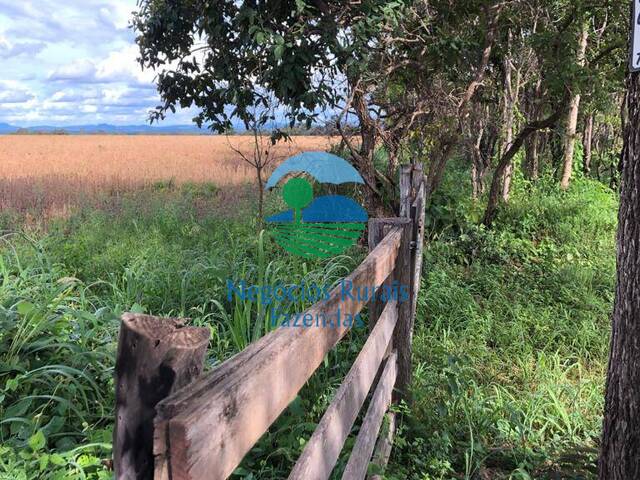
[82, 64]
[9, 49]
[14, 93]
[123, 65]
[82, 70]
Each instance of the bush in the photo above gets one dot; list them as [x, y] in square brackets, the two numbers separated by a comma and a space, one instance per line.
[512, 338]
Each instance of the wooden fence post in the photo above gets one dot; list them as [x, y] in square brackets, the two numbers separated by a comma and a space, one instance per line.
[418, 215]
[405, 191]
[412, 205]
[402, 275]
[404, 329]
[156, 357]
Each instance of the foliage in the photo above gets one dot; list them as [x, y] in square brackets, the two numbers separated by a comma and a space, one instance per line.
[62, 292]
[512, 338]
[254, 55]
[510, 345]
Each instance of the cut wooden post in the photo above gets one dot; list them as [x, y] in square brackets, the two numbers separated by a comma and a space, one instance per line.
[418, 216]
[406, 197]
[156, 357]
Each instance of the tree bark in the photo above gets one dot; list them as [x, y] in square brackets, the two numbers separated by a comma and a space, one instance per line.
[587, 142]
[532, 163]
[620, 449]
[260, 193]
[510, 97]
[572, 115]
[477, 165]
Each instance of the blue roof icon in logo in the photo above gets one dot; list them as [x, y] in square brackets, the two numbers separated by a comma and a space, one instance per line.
[324, 167]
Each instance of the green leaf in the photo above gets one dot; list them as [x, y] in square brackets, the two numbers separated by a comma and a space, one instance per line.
[44, 461]
[137, 308]
[18, 409]
[54, 426]
[278, 51]
[57, 459]
[37, 441]
[12, 384]
[24, 307]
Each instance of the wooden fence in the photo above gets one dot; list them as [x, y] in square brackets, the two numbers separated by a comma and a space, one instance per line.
[172, 423]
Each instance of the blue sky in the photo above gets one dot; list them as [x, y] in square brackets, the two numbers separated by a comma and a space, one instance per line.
[73, 62]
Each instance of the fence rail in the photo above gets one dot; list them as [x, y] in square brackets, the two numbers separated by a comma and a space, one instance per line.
[174, 424]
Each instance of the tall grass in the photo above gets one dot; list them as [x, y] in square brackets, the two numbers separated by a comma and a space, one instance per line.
[510, 344]
[53, 175]
[62, 292]
[512, 337]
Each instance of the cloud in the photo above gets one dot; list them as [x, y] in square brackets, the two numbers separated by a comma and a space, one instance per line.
[119, 66]
[79, 71]
[15, 97]
[82, 64]
[9, 50]
[123, 65]
[12, 93]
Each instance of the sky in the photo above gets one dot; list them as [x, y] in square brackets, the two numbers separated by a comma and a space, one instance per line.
[73, 62]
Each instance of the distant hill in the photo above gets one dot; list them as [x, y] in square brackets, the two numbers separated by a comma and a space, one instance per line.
[6, 128]
[106, 128]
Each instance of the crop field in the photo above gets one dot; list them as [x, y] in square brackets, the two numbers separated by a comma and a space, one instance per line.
[51, 174]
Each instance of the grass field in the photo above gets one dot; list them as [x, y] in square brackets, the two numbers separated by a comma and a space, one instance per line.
[47, 175]
[510, 345]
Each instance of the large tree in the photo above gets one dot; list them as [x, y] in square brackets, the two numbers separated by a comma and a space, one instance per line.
[620, 451]
[242, 60]
[403, 72]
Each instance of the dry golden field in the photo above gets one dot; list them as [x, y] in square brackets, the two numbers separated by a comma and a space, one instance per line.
[54, 172]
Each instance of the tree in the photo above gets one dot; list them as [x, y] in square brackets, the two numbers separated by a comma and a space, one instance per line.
[261, 158]
[572, 116]
[401, 69]
[234, 59]
[555, 31]
[619, 454]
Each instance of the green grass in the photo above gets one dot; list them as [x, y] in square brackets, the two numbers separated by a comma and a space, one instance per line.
[512, 338]
[510, 344]
[164, 251]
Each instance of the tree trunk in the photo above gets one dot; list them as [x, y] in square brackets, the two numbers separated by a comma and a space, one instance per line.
[435, 174]
[619, 454]
[260, 193]
[494, 193]
[510, 96]
[572, 116]
[477, 166]
[364, 157]
[587, 142]
[531, 157]
[531, 145]
[475, 132]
